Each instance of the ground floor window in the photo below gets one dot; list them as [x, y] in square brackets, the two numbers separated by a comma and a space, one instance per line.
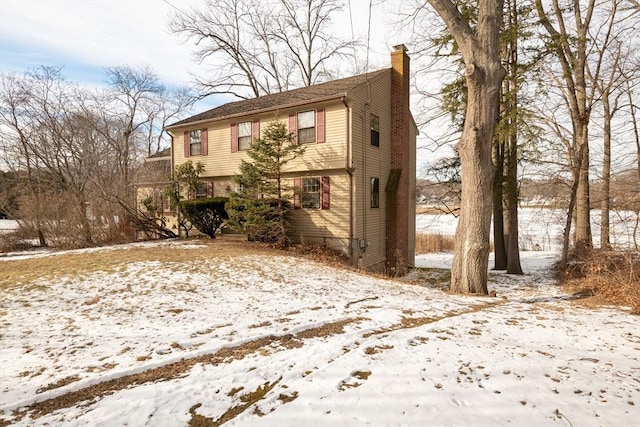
[311, 193]
[375, 192]
[201, 190]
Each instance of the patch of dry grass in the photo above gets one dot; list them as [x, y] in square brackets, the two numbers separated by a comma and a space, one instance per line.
[438, 278]
[322, 254]
[604, 277]
[69, 265]
[433, 243]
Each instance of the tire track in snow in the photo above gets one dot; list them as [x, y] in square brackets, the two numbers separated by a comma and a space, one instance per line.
[176, 369]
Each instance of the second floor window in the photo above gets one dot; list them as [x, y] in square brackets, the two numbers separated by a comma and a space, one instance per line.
[307, 127]
[244, 135]
[375, 192]
[375, 130]
[195, 142]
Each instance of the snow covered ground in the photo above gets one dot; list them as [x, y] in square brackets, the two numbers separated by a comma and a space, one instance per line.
[258, 339]
[8, 225]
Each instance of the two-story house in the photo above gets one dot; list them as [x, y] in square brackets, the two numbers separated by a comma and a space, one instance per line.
[357, 175]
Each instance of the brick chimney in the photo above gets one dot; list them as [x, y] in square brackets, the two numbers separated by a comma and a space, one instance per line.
[398, 188]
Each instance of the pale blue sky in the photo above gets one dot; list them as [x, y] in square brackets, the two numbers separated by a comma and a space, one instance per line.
[86, 35]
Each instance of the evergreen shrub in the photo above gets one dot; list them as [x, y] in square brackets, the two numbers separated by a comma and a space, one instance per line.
[207, 215]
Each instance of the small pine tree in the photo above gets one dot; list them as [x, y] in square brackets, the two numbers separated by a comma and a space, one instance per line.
[259, 207]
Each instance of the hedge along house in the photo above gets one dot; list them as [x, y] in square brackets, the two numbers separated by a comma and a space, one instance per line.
[357, 175]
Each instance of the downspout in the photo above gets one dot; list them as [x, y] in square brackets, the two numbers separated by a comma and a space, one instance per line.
[172, 181]
[348, 169]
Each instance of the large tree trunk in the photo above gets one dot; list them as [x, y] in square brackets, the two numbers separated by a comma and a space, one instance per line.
[570, 46]
[582, 236]
[484, 75]
[471, 255]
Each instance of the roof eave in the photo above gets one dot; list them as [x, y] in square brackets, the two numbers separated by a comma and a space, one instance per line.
[260, 111]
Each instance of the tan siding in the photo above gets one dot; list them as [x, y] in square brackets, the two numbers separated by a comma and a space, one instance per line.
[332, 153]
[220, 161]
[331, 226]
[370, 161]
[328, 226]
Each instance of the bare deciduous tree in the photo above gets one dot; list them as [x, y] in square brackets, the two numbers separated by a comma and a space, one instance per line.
[257, 49]
[76, 148]
[479, 48]
[568, 38]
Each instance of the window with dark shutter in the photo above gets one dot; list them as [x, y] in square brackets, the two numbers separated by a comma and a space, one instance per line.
[234, 138]
[297, 196]
[245, 133]
[187, 145]
[320, 137]
[311, 193]
[204, 141]
[195, 142]
[201, 190]
[307, 127]
[325, 193]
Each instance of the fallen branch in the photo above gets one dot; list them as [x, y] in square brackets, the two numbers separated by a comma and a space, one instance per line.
[360, 300]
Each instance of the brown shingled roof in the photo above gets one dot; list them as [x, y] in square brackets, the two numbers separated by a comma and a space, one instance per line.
[328, 90]
[154, 170]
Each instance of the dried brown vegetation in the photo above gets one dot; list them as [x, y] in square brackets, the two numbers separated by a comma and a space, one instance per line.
[430, 243]
[604, 277]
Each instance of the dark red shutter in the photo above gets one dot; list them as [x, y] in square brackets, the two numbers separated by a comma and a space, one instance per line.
[204, 139]
[320, 126]
[187, 148]
[209, 189]
[297, 195]
[292, 126]
[325, 192]
[234, 138]
[255, 134]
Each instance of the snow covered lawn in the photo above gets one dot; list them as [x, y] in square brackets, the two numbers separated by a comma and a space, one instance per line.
[168, 333]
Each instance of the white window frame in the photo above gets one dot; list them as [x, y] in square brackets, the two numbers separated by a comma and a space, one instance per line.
[195, 142]
[311, 193]
[306, 131]
[245, 133]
